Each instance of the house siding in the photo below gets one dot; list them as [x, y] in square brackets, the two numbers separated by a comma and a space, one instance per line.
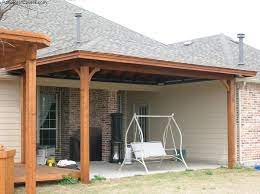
[249, 127]
[200, 110]
[10, 116]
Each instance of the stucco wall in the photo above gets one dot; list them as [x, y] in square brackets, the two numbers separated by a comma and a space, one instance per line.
[200, 110]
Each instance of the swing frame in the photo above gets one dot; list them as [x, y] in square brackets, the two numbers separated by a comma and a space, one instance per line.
[168, 129]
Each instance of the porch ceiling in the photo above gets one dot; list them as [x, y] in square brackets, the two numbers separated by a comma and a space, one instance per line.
[128, 69]
[118, 76]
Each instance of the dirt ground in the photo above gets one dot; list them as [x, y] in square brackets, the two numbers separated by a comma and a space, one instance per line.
[217, 181]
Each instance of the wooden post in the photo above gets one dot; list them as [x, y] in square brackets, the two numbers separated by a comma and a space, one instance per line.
[23, 117]
[84, 124]
[30, 119]
[232, 157]
[6, 170]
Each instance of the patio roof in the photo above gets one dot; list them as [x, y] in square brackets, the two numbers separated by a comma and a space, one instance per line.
[129, 69]
[103, 37]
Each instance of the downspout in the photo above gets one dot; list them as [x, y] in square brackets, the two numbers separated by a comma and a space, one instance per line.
[240, 121]
[241, 61]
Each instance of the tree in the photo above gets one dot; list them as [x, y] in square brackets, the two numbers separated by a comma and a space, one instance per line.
[5, 6]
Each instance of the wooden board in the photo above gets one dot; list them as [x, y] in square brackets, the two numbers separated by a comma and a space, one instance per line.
[44, 173]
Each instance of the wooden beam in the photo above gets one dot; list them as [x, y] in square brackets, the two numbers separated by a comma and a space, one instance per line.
[48, 69]
[23, 116]
[30, 119]
[158, 70]
[135, 68]
[22, 37]
[84, 124]
[88, 55]
[232, 156]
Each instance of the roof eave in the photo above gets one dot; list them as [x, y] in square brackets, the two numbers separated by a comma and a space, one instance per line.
[79, 54]
[41, 40]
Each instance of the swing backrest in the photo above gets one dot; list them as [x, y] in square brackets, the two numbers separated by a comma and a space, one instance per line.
[148, 149]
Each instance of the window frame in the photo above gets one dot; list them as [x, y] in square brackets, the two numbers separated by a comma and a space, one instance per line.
[136, 108]
[39, 119]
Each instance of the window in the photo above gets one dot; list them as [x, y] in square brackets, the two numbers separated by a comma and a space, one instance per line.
[142, 109]
[48, 120]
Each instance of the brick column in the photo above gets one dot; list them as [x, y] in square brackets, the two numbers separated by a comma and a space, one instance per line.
[110, 106]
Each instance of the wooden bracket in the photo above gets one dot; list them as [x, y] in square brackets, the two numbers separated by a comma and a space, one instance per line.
[77, 71]
[92, 72]
[224, 82]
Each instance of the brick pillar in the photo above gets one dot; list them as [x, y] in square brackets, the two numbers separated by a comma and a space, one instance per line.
[110, 106]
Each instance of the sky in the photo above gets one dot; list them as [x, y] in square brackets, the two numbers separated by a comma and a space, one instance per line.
[170, 21]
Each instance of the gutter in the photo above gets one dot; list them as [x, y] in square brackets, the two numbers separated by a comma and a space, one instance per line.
[109, 57]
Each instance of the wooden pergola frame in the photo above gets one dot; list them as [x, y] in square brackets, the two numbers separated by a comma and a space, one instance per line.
[20, 47]
[86, 64]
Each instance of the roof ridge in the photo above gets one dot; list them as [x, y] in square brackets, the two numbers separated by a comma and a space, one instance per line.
[200, 38]
[228, 56]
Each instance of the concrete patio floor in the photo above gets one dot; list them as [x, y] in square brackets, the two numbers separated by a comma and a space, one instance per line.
[111, 170]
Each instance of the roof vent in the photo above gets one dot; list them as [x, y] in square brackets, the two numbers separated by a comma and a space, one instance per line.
[78, 16]
[241, 37]
[187, 43]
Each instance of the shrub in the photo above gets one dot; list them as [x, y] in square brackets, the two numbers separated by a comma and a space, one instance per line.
[98, 178]
[68, 181]
[208, 172]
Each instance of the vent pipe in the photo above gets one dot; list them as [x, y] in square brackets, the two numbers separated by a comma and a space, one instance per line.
[241, 37]
[78, 16]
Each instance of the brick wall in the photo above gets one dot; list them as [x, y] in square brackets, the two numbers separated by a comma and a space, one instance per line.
[58, 92]
[102, 104]
[109, 103]
[249, 95]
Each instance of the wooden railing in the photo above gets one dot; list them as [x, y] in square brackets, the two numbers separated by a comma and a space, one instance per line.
[6, 170]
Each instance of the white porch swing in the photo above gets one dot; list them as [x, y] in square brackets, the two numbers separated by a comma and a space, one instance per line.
[154, 150]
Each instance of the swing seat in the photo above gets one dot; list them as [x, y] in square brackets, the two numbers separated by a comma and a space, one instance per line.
[150, 150]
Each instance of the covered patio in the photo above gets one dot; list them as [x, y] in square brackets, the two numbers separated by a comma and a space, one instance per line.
[111, 170]
[88, 66]
[106, 170]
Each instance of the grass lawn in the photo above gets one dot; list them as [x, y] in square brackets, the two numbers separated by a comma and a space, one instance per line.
[220, 180]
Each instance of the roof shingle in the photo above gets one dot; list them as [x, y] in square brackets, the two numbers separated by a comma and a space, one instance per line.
[98, 34]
